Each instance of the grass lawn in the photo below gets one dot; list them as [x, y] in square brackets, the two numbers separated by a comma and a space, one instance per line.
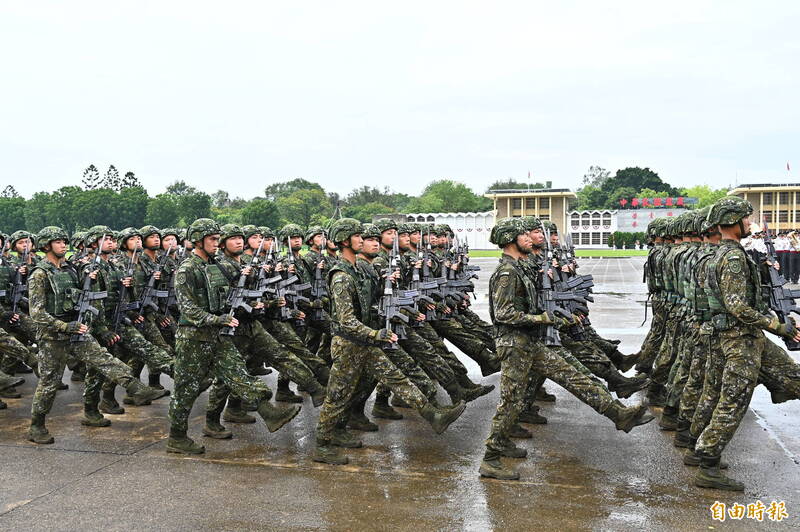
[580, 253]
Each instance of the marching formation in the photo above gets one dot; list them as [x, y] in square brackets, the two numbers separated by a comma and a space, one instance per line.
[366, 308]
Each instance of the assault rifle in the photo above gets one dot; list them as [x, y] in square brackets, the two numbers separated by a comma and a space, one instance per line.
[549, 298]
[169, 302]
[239, 294]
[394, 301]
[781, 299]
[151, 294]
[290, 289]
[429, 286]
[84, 305]
[123, 305]
[18, 287]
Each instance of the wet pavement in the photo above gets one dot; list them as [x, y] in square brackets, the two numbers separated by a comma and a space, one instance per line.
[580, 473]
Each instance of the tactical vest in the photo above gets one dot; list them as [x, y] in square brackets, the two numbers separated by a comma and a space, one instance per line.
[702, 306]
[6, 273]
[63, 290]
[110, 276]
[371, 290]
[525, 303]
[721, 318]
[364, 299]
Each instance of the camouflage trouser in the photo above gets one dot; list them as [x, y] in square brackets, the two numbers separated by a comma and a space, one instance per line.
[779, 373]
[168, 333]
[590, 356]
[712, 379]
[537, 380]
[693, 389]
[679, 373]
[24, 332]
[53, 357]
[468, 343]
[131, 347]
[15, 350]
[285, 334]
[480, 329]
[517, 365]
[426, 356]
[430, 335]
[409, 367]
[196, 361]
[654, 338]
[742, 361]
[351, 363]
[667, 352]
[261, 346]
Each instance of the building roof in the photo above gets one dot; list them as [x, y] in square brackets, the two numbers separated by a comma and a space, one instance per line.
[756, 186]
[440, 214]
[510, 192]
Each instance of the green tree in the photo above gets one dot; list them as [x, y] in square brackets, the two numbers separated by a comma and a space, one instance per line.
[705, 195]
[91, 178]
[132, 207]
[304, 207]
[162, 211]
[192, 206]
[513, 184]
[9, 192]
[287, 188]
[596, 176]
[448, 196]
[260, 212]
[591, 197]
[12, 213]
[366, 211]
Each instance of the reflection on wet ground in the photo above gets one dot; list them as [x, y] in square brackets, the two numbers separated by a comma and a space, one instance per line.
[580, 473]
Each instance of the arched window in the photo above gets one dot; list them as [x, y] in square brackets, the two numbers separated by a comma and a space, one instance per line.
[585, 218]
[606, 218]
[420, 218]
[431, 219]
[596, 218]
[575, 219]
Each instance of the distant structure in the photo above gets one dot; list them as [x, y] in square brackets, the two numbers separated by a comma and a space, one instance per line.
[778, 204]
[543, 203]
[474, 227]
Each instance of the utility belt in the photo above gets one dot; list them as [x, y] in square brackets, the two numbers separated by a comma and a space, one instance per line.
[336, 330]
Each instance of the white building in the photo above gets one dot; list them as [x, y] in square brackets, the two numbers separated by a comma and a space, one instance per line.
[592, 229]
[474, 227]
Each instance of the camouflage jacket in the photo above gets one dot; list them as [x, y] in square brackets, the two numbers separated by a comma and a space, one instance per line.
[350, 304]
[512, 297]
[193, 285]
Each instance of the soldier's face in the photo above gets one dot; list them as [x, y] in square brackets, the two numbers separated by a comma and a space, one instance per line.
[370, 247]
[58, 248]
[433, 240]
[296, 242]
[108, 244]
[415, 238]
[317, 241]
[332, 246]
[211, 244]
[403, 240]
[152, 242]
[356, 243]
[134, 242]
[169, 242]
[524, 243]
[554, 240]
[442, 241]
[234, 245]
[22, 245]
[254, 241]
[746, 224]
[268, 243]
[387, 237]
[536, 237]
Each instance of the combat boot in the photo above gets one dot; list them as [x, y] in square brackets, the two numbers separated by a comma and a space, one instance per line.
[109, 404]
[510, 450]
[215, 429]
[20, 367]
[342, 438]
[488, 362]
[358, 421]
[398, 402]
[8, 381]
[317, 392]
[625, 418]
[441, 418]
[154, 380]
[3, 405]
[684, 439]
[710, 476]
[656, 395]
[77, 376]
[624, 362]
[276, 417]
[259, 371]
[544, 396]
[494, 469]
[780, 396]
[38, 433]
[10, 393]
[180, 443]
[532, 417]
[519, 432]
[669, 418]
[692, 459]
[381, 409]
[286, 395]
[234, 414]
[326, 453]
[623, 386]
[141, 394]
[93, 418]
[62, 386]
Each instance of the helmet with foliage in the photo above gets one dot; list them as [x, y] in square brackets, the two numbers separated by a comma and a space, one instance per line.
[50, 233]
[549, 226]
[370, 231]
[505, 231]
[19, 235]
[266, 232]
[684, 224]
[148, 230]
[95, 233]
[124, 235]
[77, 239]
[385, 224]
[229, 230]
[652, 228]
[291, 230]
[250, 230]
[313, 231]
[405, 228]
[344, 228]
[442, 229]
[530, 223]
[729, 211]
[174, 231]
[201, 228]
[699, 220]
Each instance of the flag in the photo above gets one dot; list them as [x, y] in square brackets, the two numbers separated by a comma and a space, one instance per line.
[787, 167]
[529, 172]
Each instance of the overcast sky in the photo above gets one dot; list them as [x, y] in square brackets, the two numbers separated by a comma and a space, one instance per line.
[237, 95]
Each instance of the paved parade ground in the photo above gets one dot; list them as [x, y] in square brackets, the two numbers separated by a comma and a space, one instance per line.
[581, 474]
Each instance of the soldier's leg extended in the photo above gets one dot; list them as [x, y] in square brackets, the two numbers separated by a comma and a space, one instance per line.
[663, 363]
[779, 373]
[430, 335]
[284, 334]
[52, 361]
[471, 346]
[739, 378]
[152, 332]
[598, 363]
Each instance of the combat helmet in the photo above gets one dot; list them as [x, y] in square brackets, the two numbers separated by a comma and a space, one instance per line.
[291, 230]
[505, 231]
[174, 231]
[370, 231]
[313, 231]
[729, 211]
[124, 235]
[442, 229]
[77, 239]
[50, 233]
[229, 230]
[405, 228]
[653, 228]
[344, 228]
[530, 223]
[684, 224]
[19, 235]
[201, 228]
[148, 230]
[385, 224]
[95, 233]
[699, 220]
[266, 232]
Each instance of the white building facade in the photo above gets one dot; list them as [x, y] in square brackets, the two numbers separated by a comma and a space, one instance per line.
[474, 227]
[592, 228]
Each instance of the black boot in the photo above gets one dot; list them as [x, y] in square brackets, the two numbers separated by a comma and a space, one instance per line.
[669, 418]
[710, 476]
[38, 433]
[441, 418]
[381, 408]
